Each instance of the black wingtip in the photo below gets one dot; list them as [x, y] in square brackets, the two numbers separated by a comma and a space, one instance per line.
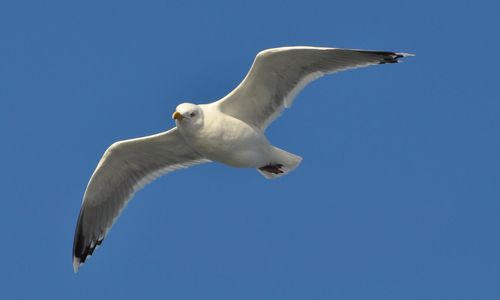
[391, 57]
[82, 246]
[387, 57]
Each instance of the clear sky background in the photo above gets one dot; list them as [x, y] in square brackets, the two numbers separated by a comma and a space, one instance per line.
[397, 196]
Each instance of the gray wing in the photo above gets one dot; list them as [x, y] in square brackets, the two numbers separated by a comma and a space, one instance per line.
[125, 168]
[278, 74]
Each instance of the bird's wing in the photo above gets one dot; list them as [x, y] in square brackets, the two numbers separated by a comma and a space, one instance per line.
[124, 169]
[278, 74]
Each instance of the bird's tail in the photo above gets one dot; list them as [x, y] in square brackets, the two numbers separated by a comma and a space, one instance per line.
[283, 163]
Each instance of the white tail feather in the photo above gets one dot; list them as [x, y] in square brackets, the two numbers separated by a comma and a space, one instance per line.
[288, 161]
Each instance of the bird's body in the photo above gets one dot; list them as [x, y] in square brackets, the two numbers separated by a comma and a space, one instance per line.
[227, 140]
[230, 131]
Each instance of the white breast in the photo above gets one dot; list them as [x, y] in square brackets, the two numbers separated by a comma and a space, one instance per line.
[228, 140]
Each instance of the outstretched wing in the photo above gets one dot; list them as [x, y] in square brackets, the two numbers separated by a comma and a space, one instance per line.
[124, 169]
[278, 74]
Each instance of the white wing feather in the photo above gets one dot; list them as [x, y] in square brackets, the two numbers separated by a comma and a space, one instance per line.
[278, 75]
[124, 169]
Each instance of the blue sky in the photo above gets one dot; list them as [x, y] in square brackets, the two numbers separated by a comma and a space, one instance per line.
[397, 196]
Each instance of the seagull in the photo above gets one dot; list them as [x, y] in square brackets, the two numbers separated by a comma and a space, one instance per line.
[230, 131]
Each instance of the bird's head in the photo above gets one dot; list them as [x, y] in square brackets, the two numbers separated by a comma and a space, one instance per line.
[188, 114]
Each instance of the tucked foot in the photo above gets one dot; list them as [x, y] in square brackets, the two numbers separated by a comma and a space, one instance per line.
[275, 169]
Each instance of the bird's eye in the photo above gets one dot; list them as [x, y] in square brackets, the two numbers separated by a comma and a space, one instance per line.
[192, 114]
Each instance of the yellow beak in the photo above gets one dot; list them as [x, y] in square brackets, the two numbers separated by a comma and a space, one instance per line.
[177, 116]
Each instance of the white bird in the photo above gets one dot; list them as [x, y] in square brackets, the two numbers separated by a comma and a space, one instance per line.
[229, 131]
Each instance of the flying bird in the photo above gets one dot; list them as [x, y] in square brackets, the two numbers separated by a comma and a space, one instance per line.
[229, 131]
